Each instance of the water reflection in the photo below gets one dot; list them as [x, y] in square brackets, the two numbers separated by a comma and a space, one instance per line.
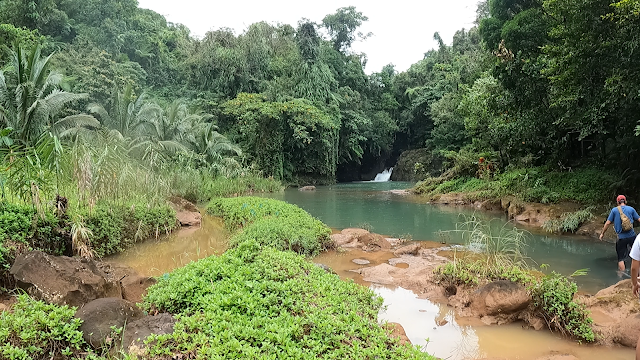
[156, 257]
[456, 340]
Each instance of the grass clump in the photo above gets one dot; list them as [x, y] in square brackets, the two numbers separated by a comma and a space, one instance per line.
[495, 256]
[273, 223]
[256, 302]
[36, 330]
[569, 222]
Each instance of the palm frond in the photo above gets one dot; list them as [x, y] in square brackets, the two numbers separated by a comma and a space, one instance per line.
[75, 121]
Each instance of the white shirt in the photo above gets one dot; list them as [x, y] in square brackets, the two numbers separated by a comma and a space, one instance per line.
[635, 249]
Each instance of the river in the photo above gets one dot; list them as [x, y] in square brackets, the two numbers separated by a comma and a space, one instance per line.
[370, 205]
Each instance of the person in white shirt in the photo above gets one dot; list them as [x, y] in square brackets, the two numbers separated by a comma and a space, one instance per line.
[635, 270]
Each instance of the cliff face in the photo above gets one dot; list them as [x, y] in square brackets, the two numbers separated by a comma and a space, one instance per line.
[416, 165]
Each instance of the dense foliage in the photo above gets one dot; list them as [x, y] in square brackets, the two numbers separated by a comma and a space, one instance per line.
[272, 223]
[256, 302]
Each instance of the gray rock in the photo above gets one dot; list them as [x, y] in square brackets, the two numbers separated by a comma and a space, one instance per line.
[99, 316]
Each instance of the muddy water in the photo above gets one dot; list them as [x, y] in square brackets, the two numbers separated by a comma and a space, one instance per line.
[156, 257]
[437, 329]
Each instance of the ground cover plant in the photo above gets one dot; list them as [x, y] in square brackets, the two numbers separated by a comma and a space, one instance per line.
[36, 330]
[256, 302]
[272, 222]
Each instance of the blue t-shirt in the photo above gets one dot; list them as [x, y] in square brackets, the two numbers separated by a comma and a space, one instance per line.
[614, 217]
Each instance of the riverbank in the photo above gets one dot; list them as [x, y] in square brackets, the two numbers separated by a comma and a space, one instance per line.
[411, 266]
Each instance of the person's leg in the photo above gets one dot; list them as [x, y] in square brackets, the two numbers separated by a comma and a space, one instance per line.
[638, 350]
[621, 250]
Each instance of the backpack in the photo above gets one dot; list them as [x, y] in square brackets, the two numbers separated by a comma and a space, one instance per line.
[626, 223]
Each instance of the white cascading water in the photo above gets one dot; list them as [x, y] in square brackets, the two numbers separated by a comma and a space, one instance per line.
[384, 176]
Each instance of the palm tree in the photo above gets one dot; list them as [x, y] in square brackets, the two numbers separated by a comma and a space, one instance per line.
[30, 106]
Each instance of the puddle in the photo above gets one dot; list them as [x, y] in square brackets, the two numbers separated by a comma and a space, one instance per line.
[435, 328]
[156, 257]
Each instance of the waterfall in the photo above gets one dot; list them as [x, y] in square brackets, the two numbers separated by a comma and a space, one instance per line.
[384, 176]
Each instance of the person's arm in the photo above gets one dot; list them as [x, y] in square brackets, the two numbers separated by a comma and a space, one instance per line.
[606, 226]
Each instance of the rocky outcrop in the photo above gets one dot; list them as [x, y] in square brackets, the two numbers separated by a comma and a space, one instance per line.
[63, 280]
[361, 239]
[100, 317]
[307, 188]
[416, 165]
[411, 249]
[186, 212]
[500, 298]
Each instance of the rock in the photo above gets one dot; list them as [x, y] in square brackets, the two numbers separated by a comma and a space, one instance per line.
[186, 212]
[398, 331]
[98, 316]
[411, 249]
[188, 218]
[355, 232]
[373, 242]
[627, 331]
[137, 331]
[307, 188]
[342, 239]
[325, 268]
[3, 307]
[134, 286]
[361, 261]
[499, 298]
[62, 280]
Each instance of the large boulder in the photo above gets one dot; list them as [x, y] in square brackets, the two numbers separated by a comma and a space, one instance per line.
[100, 317]
[134, 286]
[501, 297]
[138, 330]
[62, 280]
[411, 249]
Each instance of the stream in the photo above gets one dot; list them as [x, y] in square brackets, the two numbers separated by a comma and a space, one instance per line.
[370, 205]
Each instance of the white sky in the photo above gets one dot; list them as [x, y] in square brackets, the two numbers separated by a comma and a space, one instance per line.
[402, 29]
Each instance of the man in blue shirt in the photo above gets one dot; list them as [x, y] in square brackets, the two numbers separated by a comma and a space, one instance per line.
[625, 238]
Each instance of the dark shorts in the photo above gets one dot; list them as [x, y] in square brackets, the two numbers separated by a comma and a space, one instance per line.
[623, 246]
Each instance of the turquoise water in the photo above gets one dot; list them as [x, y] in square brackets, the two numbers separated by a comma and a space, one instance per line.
[370, 205]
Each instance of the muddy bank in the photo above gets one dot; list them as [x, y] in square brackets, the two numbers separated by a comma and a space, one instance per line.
[410, 266]
[528, 214]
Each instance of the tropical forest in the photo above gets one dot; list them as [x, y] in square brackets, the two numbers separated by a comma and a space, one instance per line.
[317, 194]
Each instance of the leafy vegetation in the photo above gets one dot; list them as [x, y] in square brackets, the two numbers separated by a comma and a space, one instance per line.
[272, 223]
[257, 302]
[500, 256]
[570, 222]
[36, 330]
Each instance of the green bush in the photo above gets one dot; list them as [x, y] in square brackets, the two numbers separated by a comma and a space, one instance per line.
[22, 227]
[36, 330]
[553, 297]
[256, 302]
[117, 227]
[273, 223]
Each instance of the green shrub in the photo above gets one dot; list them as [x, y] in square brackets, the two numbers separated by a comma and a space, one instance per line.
[256, 302]
[36, 330]
[553, 297]
[22, 228]
[117, 227]
[273, 223]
